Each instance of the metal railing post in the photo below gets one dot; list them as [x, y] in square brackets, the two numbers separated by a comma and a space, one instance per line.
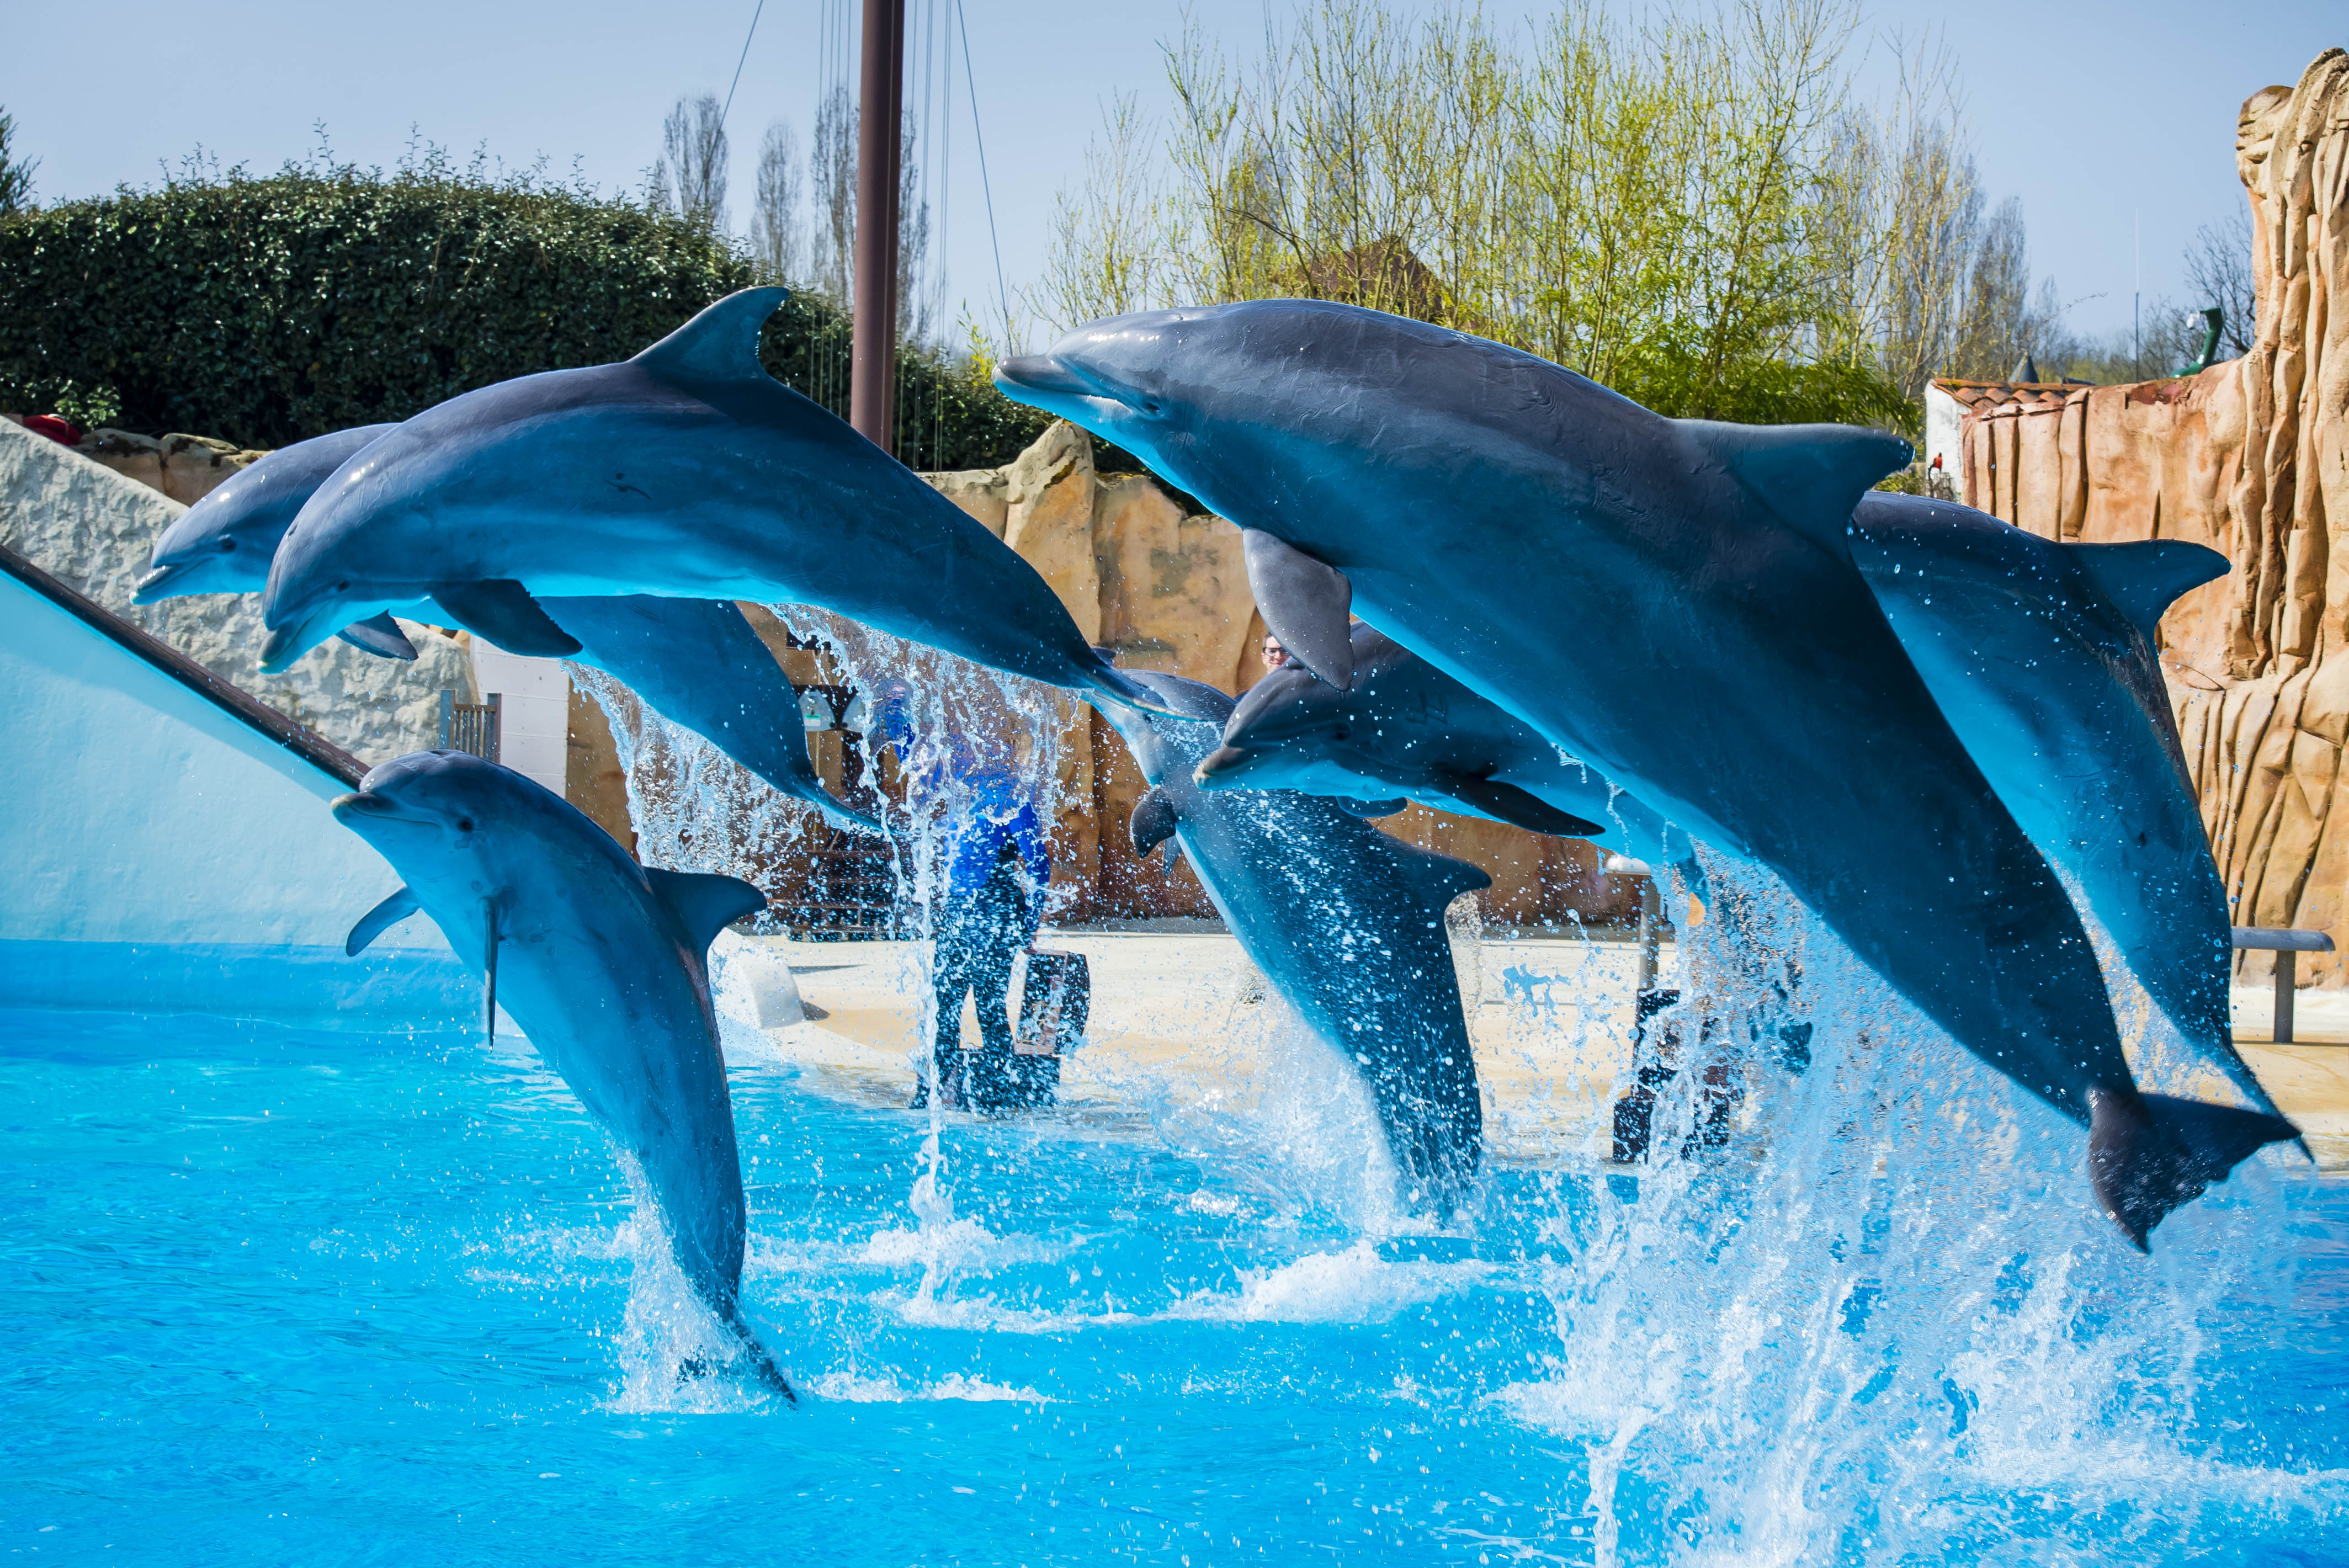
[2287, 944]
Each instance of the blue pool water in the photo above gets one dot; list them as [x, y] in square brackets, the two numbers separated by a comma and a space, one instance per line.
[293, 1295]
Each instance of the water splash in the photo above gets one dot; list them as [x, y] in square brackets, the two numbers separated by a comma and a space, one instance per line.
[1892, 1292]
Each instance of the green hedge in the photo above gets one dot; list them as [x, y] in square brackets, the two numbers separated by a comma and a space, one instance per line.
[267, 309]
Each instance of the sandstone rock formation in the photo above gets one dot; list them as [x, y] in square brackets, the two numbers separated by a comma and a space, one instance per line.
[1168, 590]
[2250, 457]
[184, 467]
[95, 528]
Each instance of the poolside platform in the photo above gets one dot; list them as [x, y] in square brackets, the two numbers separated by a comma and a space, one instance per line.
[1180, 1020]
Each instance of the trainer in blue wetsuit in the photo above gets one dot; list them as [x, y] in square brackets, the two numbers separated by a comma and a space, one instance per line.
[993, 874]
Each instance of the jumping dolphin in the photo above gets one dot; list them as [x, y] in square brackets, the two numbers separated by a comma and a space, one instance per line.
[698, 662]
[1673, 600]
[602, 962]
[687, 472]
[1346, 923]
[2040, 656]
[1405, 726]
[223, 544]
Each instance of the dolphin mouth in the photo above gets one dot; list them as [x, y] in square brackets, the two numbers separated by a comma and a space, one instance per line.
[286, 644]
[361, 806]
[1042, 373]
[1221, 765]
[147, 591]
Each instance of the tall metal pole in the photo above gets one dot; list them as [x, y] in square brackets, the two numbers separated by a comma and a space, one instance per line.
[880, 120]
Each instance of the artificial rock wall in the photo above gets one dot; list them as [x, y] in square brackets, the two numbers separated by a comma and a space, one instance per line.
[1168, 590]
[95, 528]
[2250, 457]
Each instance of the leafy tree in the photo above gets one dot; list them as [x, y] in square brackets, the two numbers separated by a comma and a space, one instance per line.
[16, 172]
[268, 308]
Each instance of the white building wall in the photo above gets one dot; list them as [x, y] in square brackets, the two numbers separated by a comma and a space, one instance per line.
[1943, 420]
[535, 714]
[140, 813]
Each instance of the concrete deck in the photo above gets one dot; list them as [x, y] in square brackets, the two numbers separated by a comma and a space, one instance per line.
[1180, 1020]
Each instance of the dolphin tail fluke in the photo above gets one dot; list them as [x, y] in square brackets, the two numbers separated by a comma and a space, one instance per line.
[2148, 1154]
[762, 1367]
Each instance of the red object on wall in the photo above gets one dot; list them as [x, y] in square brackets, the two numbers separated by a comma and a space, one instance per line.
[55, 428]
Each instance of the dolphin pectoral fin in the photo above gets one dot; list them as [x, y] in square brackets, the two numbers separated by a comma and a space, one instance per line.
[1810, 475]
[1354, 808]
[1518, 807]
[2145, 576]
[2148, 1154]
[1306, 603]
[704, 903]
[502, 610]
[379, 635]
[1155, 819]
[380, 919]
[1439, 878]
[721, 343]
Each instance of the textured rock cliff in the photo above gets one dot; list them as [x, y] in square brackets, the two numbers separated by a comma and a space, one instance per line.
[95, 528]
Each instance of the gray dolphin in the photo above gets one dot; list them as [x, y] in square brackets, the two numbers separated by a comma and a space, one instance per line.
[687, 471]
[696, 661]
[602, 962]
[1673, 600]
[1346, 923]
[2040, 656]
[1405, 726]
[223, 544]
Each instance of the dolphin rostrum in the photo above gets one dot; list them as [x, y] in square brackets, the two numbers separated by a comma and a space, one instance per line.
[602, 962]
[687, 471]
[698, 661]
[1346, 923]
[1673, 600]
[2040, 656]
[223, 544]
[1405, 726]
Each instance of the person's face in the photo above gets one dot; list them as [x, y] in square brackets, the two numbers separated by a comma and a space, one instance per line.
[1275, 655]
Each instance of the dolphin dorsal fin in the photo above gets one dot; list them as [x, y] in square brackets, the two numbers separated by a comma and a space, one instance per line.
[1811, 475]
[721, 344]
[380, 919]
[704, 903]
[1439, 878]
[2143, 578]
[1154, 822]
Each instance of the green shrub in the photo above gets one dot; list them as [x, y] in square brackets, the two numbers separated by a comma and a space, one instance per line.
[268, 309]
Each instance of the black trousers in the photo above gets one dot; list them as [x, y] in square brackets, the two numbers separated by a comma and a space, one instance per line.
[979, 935]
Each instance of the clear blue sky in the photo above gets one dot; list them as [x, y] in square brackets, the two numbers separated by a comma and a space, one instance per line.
[2093, 112]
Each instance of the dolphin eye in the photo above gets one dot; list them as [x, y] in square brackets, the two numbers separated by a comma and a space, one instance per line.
[464, 824]
[1340, 733]
[227, 545]
[343, 586]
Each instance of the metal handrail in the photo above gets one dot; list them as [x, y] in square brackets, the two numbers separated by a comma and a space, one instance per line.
[2286, 944]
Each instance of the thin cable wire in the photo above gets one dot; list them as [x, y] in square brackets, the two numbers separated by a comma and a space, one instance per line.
[737, 64]
[970, 80]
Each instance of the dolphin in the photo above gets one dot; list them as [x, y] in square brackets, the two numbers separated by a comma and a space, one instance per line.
[223, 544]
[698, 662]
[1406, 727]
[2041, 657]
[687, 471]
[604, 963]
[1673, 600]
[1346, 923]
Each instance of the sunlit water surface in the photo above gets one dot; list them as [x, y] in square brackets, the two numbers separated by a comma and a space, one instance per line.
[284, 1294]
